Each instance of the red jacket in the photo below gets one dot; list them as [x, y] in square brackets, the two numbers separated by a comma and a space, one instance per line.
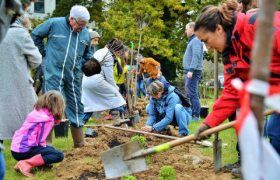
[236, 59]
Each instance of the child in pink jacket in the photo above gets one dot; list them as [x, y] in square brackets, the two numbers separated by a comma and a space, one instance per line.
[29, 142]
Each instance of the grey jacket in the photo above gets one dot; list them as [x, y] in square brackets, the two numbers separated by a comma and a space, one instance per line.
[193, 57]
[17, 97]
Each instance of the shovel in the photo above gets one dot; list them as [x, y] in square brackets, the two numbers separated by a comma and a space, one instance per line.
[129, 158]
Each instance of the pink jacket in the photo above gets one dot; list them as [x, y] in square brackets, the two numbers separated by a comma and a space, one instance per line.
[33, 132]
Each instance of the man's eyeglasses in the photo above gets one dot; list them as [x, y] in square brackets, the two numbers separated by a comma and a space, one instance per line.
[80, 25]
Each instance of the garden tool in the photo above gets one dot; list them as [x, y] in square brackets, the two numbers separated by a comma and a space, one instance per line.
[119, 121]
[129, 158]
[203, 143]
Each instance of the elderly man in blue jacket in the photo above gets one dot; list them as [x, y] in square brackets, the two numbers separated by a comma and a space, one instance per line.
[68, 42]
[166, 108]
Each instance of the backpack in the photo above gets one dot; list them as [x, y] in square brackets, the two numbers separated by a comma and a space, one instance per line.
[185, 100]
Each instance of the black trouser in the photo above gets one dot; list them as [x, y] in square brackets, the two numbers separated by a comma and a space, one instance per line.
[232, 118]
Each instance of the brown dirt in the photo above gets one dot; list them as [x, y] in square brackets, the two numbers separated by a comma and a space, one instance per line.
[85, 163]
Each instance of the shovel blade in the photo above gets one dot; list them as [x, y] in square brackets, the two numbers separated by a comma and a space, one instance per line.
[115, 165]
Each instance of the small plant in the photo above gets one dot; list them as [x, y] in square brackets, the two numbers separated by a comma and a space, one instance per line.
[140, 138]
[167, 173]
[128, 177]
[149, 159]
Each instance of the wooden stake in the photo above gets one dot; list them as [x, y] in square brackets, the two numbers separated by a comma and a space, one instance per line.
[217, 144]
[261, 54]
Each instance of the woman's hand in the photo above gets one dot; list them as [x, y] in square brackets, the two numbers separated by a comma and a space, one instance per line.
[147, 128]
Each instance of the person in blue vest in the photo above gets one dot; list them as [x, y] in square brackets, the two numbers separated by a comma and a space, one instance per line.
[68, 42]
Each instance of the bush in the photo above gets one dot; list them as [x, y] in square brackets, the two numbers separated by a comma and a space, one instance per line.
[140, 138]
[167, 173]
[128, 177]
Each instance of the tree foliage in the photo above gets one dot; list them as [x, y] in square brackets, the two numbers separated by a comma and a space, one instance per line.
[162, 23]
[94, 7]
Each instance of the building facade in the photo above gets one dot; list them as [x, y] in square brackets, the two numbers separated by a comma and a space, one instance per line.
[42, 8]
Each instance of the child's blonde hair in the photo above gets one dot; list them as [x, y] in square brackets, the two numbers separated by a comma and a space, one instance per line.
[53, 101]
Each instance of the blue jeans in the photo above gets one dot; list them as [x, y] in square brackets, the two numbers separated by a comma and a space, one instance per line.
[140, 87]
[161, 79]
[48, 153]
[273, 131]
[2, 166]
[192, 92]
[86, 117]
[183, 118]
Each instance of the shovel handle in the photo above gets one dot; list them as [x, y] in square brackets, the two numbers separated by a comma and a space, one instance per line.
[186, 139]
[207, 132]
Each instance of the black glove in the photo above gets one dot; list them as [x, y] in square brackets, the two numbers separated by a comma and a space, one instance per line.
[199, 130]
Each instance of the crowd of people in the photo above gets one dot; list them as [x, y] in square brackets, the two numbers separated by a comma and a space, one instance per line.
[80, 80]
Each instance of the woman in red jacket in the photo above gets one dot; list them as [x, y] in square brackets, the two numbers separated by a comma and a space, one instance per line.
[232, 34]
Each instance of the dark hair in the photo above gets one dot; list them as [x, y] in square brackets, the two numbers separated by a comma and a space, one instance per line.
[115, 45]
[122, 55]
[53, 101]
[249, 4]
[211, 16]
[91, 67]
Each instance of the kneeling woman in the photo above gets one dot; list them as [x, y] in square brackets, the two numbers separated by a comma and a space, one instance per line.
[166, 106]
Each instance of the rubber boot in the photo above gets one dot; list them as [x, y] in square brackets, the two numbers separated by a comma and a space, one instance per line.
[115, 115]
[25, 166]
[78, 137]
[230, 167]
[236, 172]
[49, 138]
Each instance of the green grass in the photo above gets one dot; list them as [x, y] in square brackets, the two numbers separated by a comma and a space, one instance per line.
[229, 154]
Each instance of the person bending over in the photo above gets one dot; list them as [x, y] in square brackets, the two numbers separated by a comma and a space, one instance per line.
[166, 108]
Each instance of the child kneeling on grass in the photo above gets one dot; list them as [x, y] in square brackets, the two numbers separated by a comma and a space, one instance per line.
[29, 142]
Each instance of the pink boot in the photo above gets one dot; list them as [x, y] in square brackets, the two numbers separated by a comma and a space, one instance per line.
[25, 166]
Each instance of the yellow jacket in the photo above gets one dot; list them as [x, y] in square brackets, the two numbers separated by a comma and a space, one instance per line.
[119, 79]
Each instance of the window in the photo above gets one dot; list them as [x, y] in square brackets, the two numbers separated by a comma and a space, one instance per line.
[39, 6]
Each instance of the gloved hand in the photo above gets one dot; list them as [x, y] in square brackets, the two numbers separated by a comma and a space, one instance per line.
[199, 130]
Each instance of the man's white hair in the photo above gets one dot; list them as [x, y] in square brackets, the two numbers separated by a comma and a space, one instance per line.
[79, 13]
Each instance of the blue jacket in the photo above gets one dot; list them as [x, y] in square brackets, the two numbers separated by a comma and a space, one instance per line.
[161, 111]
[193, 57]
[64, 45]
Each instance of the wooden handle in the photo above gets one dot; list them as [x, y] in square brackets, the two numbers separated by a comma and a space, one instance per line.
[212, 130]
[207, 132]
[134, 131]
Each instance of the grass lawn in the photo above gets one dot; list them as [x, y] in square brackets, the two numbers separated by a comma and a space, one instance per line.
[229, 154]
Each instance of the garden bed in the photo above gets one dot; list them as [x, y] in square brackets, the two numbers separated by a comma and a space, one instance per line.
[85, 163]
